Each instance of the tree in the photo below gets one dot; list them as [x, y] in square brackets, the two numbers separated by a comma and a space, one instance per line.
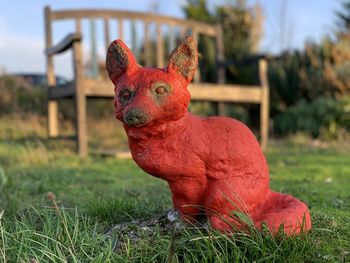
[242, 31]
[343, 17]
[242, 25]
[198, 10]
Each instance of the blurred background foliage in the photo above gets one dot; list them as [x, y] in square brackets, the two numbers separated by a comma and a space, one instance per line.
[18, 96]
[242, 32]
[310, 88]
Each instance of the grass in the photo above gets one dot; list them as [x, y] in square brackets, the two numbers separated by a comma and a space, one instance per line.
[88, 196]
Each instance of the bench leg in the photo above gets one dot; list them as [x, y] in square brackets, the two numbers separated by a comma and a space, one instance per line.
[82, 137]
[52, 118]
[265, 102]
[80, 99]
[264, 120]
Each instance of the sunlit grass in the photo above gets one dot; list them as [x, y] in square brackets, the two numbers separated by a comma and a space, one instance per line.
[93, 194]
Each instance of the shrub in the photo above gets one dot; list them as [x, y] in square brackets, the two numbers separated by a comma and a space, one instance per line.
[17, 96]
[322, 116]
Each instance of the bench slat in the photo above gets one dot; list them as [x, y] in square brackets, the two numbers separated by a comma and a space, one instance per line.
[160, 47]
[200, 91]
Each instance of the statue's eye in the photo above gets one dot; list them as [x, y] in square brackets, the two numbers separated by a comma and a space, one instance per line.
[160, 90]
[125, 95]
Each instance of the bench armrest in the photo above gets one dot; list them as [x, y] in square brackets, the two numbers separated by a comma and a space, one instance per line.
[64, 44]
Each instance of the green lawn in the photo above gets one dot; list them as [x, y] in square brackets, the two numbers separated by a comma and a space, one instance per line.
[95, 193]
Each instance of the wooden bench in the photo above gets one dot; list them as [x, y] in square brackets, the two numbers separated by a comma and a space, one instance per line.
[83, 87]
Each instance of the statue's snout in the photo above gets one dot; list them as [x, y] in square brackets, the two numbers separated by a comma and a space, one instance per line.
[135, 117]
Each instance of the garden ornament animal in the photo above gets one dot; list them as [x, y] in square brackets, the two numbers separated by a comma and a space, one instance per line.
[211, 164]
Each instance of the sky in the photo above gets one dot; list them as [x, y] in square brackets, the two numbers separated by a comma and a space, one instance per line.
[22, 26]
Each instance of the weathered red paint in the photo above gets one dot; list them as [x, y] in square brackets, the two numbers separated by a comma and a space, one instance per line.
[214, 163]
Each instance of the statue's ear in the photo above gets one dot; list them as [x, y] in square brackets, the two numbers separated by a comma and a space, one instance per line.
[119, 60]
[184, 59]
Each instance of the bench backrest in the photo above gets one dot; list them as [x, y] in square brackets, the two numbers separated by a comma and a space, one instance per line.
[155, 47]
[175, 29]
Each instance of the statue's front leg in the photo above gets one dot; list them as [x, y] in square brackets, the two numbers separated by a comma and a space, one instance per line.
[188, 197]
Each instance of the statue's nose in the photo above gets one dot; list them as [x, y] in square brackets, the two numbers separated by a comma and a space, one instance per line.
[135, 117]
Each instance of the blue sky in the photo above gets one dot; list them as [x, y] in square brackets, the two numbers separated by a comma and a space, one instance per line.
[22, 32]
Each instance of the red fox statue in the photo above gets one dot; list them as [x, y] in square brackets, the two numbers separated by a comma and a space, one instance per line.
[211, 164]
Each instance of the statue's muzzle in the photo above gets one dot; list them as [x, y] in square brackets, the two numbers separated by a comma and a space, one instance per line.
[135, 117]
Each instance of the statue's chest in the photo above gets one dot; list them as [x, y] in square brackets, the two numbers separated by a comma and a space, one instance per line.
[165, 159]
